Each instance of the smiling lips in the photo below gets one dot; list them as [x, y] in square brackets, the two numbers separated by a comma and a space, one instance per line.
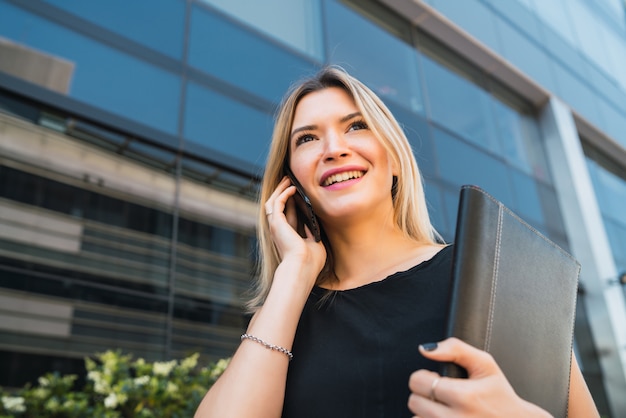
[339, 177]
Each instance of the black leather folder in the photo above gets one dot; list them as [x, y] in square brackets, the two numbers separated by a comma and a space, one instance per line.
[514, 296]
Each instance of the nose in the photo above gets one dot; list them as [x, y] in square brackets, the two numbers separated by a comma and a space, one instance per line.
[336, 146]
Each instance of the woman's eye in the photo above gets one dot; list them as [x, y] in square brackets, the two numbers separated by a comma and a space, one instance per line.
[355, 126]
[304, 138]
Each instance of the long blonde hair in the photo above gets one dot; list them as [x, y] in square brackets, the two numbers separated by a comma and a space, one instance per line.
[410, 211]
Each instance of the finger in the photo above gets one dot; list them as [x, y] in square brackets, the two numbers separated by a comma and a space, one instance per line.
[277, 203]
[478, 363]
[429, 405]
[432, 386]
[280, 188]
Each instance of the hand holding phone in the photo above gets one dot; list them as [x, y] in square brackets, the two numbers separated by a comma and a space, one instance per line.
[303, 205]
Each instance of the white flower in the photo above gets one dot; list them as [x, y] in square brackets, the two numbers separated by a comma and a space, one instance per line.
[13, 403]
[190, 362]
[163, 368]
[43, 382]
[219, 367]
[171, 387]
[110, 401]
[141, 380]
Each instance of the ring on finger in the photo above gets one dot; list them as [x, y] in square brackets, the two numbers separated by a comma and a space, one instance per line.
[433, 386]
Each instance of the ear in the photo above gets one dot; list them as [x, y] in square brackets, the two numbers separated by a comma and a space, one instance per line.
[395, 167]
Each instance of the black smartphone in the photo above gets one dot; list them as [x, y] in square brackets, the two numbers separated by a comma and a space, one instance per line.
[303, 204]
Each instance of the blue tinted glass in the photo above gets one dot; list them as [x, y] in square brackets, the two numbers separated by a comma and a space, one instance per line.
[563, 51]
[611, 193]
[521, 141]
[417, 132]
[451, 208]
[577, 93]
[605, 85]
[224, 125]
[241, 57]
[474, 17]
[528, 202]
[298, 24]
[525, 54]
[101, 76]
[524, 18]
[614, 121]
[158, 24]
[461, 163]
[383, 62]
[435, 209]
[459, 105]
[551, 209]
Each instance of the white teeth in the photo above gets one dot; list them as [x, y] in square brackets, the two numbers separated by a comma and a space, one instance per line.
[346, 175]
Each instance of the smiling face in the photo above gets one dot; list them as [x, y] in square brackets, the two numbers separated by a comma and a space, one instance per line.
[344, 169]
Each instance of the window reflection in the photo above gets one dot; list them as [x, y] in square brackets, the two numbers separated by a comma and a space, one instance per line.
[297, 24]
[224, 125]
[158, 24]
[385, 63]
[528, 202]
[226, 50]
[520, 140]
[102, 76]
[460, 105]
[461, 163]
[611, 194]
[418, 133]
[527, 55]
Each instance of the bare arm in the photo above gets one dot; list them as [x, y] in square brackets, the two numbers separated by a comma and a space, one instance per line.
[253, 384]
[581, 404]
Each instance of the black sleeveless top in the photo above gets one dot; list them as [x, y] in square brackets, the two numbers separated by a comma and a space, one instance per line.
[354, 353]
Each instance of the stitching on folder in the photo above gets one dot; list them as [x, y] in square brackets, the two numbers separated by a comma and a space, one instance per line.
[520, 220]
[494, 279]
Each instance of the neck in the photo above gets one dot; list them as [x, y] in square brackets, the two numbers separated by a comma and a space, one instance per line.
[370, 251]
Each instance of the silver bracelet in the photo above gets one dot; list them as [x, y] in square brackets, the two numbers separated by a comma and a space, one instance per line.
[268, 345]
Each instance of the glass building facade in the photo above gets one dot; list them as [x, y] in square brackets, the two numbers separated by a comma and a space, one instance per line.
[133, 137]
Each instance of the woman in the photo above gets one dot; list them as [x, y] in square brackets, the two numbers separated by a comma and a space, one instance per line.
[352, 309]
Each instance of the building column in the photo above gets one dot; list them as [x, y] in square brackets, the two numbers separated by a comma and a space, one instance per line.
[589, 243]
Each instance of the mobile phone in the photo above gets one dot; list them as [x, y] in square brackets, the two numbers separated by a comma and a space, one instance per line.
[303, 205]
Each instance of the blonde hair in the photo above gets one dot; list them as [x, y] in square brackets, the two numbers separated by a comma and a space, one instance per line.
[409, 201]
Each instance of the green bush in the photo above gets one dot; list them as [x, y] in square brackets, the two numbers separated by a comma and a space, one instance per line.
[117, 386]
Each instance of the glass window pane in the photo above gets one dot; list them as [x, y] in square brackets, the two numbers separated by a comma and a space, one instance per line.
[102, 76]
[525, 54]
[226, 126]
[614, 121]
[226, 50]
[611, 193]
[476, 18]
[521, 141]
[385, 63]
[577, 94]
[461, 163]
[297, 24]
[158, 24]
[528, 201]
[460, 106]
[418, 133]
[436, 210]
[554, 14]
[586, 25]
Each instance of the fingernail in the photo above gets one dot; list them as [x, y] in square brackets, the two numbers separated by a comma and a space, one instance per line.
[429, 346]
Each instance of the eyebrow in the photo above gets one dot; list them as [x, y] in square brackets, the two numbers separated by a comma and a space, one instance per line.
[313, 127]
